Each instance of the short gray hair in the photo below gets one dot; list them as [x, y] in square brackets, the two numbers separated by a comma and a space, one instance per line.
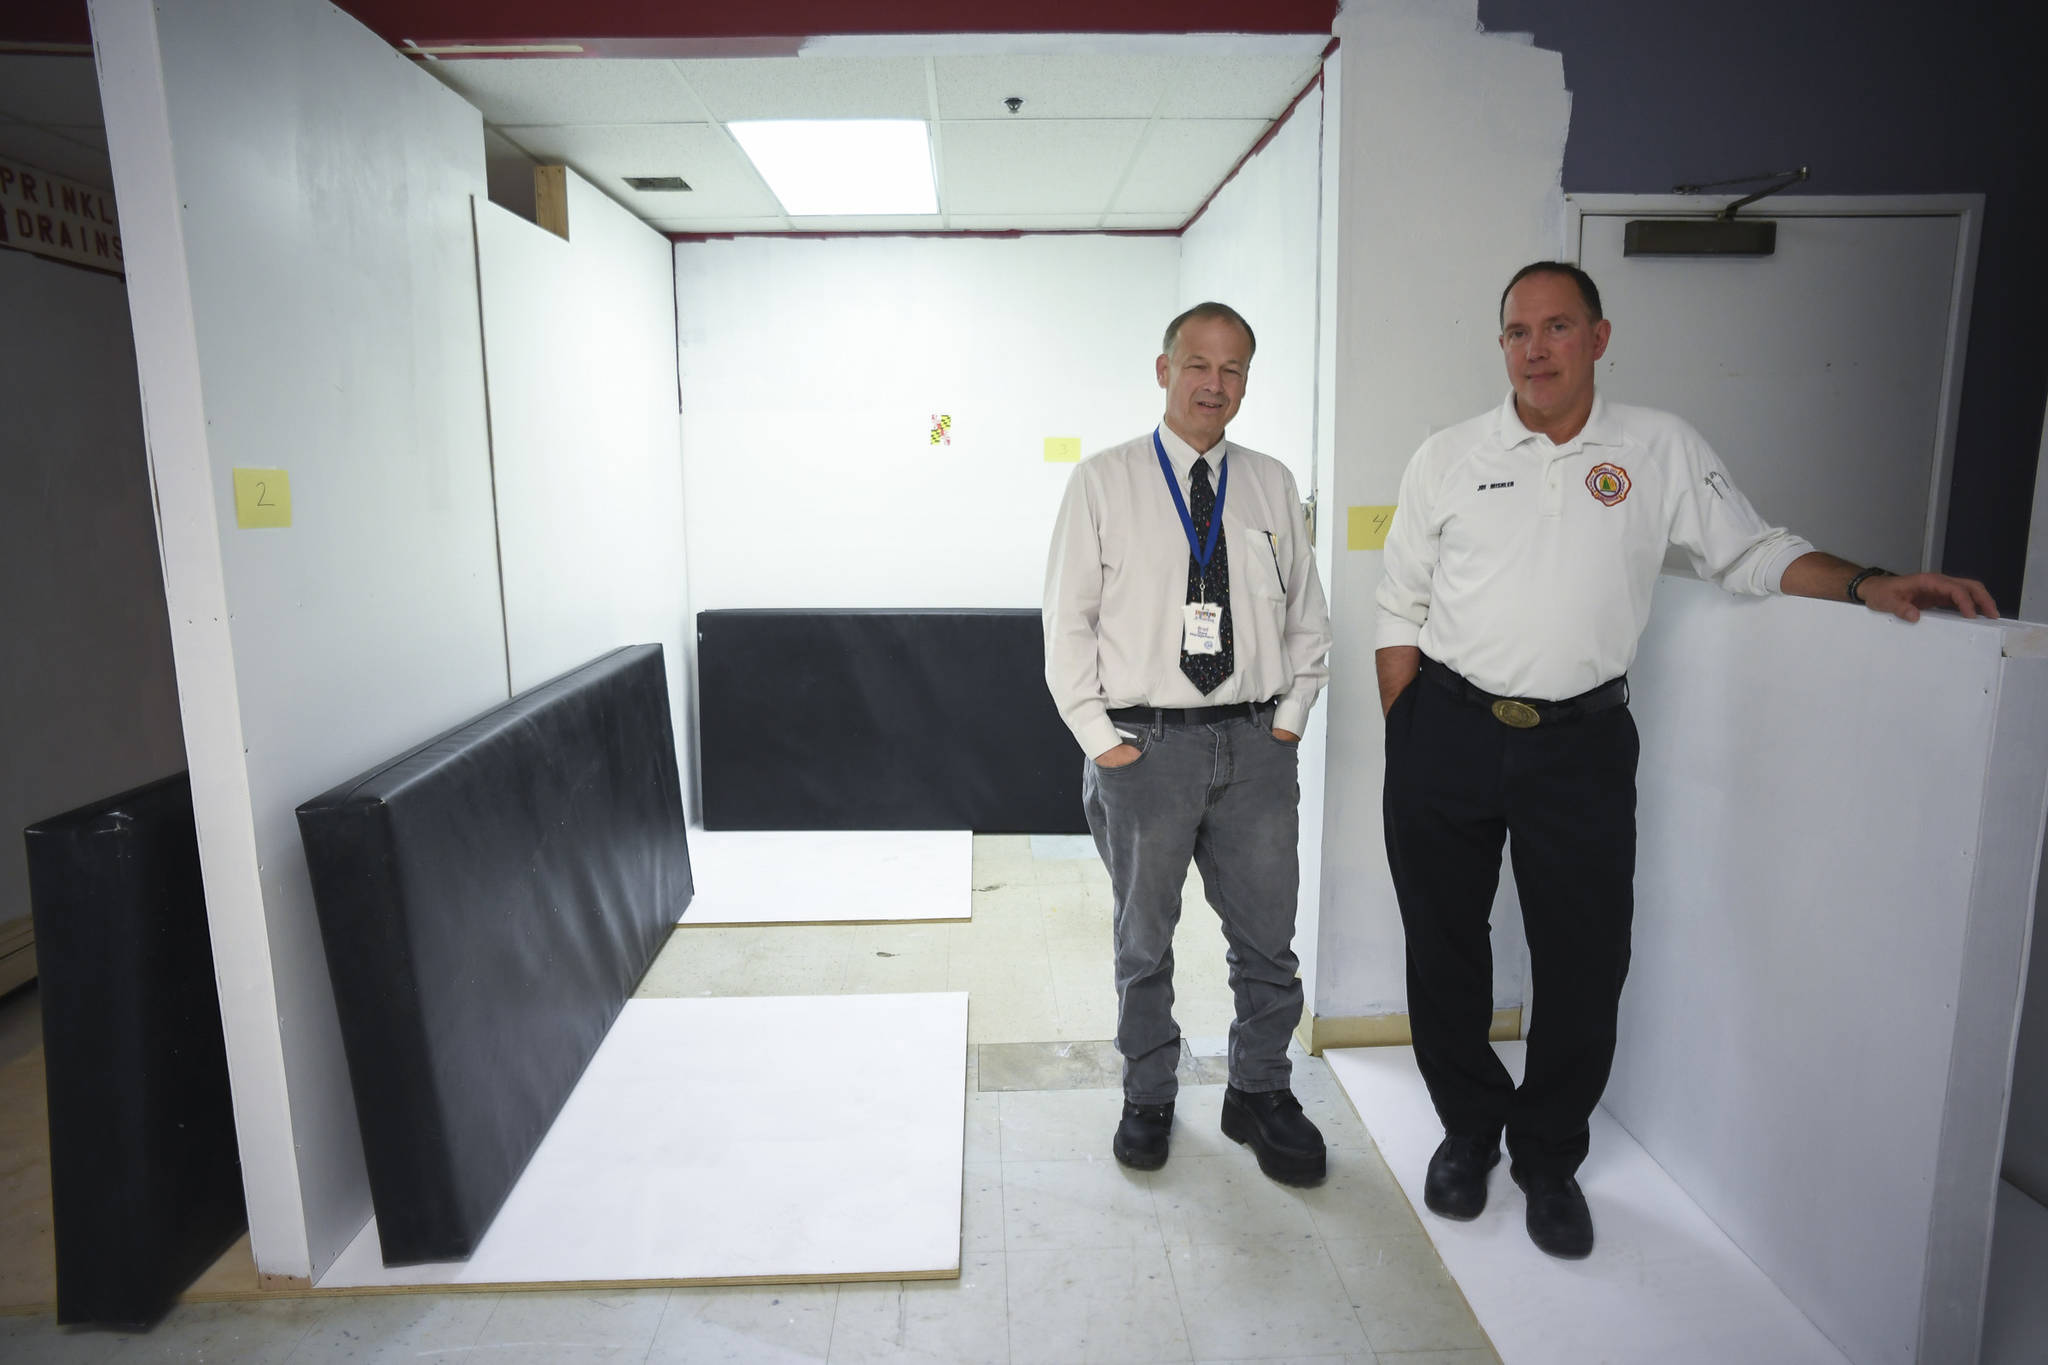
[1204, 312]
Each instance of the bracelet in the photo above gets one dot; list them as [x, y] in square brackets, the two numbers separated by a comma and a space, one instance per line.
[1857, 582]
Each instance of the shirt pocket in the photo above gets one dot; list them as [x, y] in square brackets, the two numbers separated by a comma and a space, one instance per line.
[1255, 561]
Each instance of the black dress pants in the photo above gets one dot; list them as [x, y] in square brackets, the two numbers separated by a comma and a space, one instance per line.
[1563, 797]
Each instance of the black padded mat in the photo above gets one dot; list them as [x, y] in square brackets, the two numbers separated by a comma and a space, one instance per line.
[882, 720]
[488, 902]
[145, 1180]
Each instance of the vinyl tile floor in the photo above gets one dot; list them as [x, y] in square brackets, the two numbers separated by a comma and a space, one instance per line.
[1066, 1256]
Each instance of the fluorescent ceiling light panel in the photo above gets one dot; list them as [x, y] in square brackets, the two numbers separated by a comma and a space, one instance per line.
[843, 167]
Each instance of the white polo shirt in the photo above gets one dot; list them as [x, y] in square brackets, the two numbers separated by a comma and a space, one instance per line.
[1528, 566]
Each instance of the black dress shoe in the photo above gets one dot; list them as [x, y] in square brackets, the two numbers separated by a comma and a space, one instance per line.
[1271, 1122]
[1456, 1184]
[1140, 1141]
[1559, 1221]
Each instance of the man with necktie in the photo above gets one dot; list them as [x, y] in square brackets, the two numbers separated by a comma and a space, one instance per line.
[1185, 642]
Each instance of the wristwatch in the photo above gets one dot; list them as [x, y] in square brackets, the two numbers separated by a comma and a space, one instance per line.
[1857, 582]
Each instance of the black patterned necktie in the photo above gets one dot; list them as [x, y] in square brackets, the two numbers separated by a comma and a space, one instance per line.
[1207, 671]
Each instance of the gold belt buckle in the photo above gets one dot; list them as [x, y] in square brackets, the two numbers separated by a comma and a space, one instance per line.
[1519, 714]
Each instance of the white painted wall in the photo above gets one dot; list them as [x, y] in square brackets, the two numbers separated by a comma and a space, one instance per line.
[1451, 145]
[295, 200]
[579, 341]
[810, 372]
[1260, 247]
[1833, 890]
[88, 701]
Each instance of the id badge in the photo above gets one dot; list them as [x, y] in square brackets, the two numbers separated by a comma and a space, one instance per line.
[1201, 628]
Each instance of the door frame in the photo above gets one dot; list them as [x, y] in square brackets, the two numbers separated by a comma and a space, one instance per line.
[1967, 208]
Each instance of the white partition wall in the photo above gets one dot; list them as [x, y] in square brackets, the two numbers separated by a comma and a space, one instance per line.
[812, 371]
[579, 342]
[1266, 245]
[1840, 822]
[1450, 150]
[295, 200]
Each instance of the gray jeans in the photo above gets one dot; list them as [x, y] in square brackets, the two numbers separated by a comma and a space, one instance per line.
[1226, 795]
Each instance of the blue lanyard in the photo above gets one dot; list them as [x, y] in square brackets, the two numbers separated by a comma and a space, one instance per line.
[1202, 553]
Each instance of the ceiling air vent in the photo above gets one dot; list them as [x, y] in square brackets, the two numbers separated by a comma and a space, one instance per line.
[657, 182]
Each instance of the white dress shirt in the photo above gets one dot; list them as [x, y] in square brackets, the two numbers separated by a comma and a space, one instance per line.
[1117, 578]
[1528, 566]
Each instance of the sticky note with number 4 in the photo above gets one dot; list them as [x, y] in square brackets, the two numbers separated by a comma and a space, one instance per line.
[1366, 528]
[263, 498]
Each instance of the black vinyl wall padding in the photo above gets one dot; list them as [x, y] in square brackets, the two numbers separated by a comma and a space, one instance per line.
[145, 1177]
[488, 902]
[922, 719]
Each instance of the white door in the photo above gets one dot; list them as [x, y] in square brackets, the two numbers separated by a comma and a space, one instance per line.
[1825, 375]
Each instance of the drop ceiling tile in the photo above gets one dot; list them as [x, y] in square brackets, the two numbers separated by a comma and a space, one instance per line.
[1128, 222]
[529, 91]
[1026, 222]
[722, 181]
[1051, 87]
[1044, 166]
[810, 87]
[1235, 87]
[1182, 161]
[50, 89]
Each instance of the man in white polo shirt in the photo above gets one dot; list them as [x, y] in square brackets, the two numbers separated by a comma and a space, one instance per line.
[1517, 581]
[1185, 634]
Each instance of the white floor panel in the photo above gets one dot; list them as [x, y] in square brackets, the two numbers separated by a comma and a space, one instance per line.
[2015, 1309]
[811, 1137]
[830, 876]
[1663, 1283]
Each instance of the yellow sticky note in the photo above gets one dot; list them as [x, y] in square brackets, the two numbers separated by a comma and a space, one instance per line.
[263, 497]
[1365, 528]
[1062, 449]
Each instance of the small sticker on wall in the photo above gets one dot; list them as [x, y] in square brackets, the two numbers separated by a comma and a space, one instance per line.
[263, 498]
[1365, 528]
[1062, 449]
[942, 428]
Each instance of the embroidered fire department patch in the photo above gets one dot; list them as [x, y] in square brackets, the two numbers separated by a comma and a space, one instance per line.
[1607, 482]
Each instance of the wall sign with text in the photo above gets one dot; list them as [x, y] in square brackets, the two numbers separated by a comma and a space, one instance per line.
[58, 218]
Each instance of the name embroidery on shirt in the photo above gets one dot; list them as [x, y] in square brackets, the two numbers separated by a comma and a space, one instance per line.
[1489, 487]
[1607, 482]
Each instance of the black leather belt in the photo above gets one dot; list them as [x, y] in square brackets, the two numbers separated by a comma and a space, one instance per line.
[1191, 715]
[1521, 712]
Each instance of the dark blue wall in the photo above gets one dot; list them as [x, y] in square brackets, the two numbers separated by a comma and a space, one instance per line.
[1878, 98]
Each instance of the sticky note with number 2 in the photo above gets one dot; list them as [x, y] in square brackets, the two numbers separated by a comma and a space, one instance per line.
[1366, 527]
[263, 498]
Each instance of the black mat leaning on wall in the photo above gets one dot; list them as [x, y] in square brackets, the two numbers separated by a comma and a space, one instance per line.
[145, 1178]
[488, 902]
[882, 720]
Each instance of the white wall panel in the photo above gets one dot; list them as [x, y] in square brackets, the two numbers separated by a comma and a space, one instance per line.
[1834, 885]
[1452, 144]
[579, 341]
[295, 201]
[1265, 248]
[810, 373]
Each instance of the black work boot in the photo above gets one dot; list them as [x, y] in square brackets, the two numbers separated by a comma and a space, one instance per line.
[1456, 1184]
[1140, 1141]
[1271, 1123]
[1559, 1221]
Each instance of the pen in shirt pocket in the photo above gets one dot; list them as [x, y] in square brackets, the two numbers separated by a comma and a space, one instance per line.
[1273, 544]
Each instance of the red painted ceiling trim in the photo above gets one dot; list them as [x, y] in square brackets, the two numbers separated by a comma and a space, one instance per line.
[984, 234]
[1315, 83]
[437, 22]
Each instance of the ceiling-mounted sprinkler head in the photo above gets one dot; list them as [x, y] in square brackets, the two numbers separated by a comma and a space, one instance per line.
[1013, 104]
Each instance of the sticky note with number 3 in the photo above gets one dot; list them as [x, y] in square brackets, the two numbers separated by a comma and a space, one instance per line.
[1366, 527]
[263, 498]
